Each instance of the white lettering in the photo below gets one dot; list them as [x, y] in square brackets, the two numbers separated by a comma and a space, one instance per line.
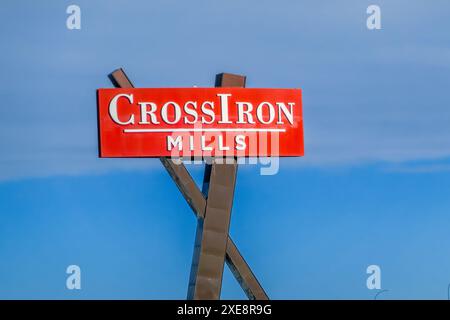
[240, 142]
[242, 112]
[146, 112]
[208, 112]
[289, 114]
[176, 109]
[259, 112]
[171, 143]
[224, 107]
[113, 109]
[192, 112]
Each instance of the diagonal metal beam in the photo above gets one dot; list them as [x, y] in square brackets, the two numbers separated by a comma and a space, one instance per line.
[196, 200]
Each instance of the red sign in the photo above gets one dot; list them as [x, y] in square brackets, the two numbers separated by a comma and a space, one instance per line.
[242, 122]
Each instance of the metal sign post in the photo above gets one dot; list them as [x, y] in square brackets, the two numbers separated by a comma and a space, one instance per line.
[212, 231]
[212, 206]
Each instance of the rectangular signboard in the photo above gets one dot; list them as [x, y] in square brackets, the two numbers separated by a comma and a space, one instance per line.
[200, 122]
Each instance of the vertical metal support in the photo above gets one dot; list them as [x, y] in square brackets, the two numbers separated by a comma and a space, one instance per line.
[210, 248]
[212, 233]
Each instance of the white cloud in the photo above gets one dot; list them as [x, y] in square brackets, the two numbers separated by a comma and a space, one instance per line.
[368, 97]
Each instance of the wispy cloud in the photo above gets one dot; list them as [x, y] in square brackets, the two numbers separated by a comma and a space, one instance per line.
[369, 96]
[419, 169]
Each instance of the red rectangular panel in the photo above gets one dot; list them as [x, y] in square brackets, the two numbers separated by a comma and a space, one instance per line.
[242, 122]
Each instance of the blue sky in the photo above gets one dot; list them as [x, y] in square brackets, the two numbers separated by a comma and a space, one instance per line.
[371, 189]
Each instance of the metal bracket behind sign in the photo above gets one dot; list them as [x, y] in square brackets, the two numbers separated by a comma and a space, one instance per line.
[198, 201]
